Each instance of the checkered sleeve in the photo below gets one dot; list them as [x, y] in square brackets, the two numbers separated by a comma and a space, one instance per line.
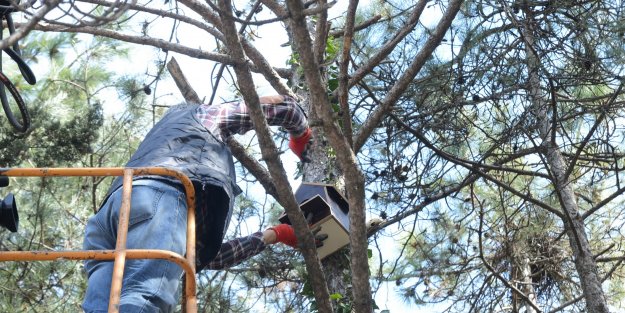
[229, 118]
[237, 250]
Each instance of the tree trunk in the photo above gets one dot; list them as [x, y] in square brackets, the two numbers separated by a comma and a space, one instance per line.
[322, 169]
[335, 266]
[573, 221]
[578, 239]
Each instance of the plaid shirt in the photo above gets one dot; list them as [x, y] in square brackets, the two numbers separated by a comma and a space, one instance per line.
[237, 250]
[226, 119]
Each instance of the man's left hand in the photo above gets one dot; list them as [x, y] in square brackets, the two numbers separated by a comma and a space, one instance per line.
[285, 234]
[300, 145]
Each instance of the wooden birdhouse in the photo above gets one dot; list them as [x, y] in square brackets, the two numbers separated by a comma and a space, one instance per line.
[329, 210]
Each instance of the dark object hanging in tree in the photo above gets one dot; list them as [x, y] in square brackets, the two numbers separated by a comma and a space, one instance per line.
[6, 8]
[8, 213]
[8, 209]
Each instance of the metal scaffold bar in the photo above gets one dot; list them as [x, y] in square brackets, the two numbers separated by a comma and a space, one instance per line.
[120, 254]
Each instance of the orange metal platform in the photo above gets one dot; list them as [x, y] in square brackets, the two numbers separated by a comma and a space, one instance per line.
[120, 254]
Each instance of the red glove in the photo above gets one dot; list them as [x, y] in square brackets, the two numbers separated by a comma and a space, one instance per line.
[298, 145]
[285, 234]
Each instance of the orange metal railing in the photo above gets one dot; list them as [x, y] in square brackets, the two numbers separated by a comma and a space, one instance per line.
[120, 254]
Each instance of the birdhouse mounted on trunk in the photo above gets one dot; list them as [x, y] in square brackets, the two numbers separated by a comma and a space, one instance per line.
[329, 210]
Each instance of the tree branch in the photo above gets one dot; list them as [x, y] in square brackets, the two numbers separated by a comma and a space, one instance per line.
[343, 89]
[388, 47]
[188, 93]
[25, 28]
[475, 168]
[407, 77]
[142, 40]
[364, 25]
[592, 130]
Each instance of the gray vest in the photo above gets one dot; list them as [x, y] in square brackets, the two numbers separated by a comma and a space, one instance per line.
[181, 142]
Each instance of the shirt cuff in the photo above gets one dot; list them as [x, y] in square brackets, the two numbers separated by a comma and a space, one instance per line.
[257, 237]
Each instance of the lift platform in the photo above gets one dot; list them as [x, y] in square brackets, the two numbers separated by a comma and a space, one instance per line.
[120, 254]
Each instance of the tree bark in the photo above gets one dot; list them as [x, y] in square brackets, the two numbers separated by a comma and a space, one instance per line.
[270, 155]
[554, 161]
[354, 179]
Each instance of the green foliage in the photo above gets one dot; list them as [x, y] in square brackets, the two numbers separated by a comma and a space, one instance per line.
[467, 131]
[332, 49]
[294, 60]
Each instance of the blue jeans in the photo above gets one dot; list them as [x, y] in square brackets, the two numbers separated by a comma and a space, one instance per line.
[158, 218]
